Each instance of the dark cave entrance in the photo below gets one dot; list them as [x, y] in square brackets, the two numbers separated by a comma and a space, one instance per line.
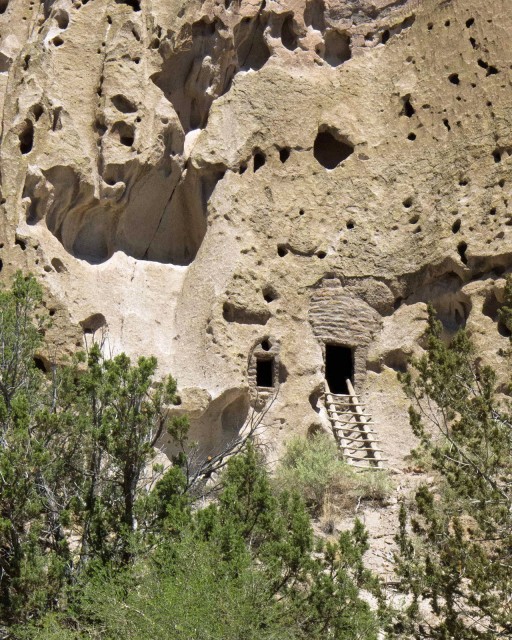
[339, 366]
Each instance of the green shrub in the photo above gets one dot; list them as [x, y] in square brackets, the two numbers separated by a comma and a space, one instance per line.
[313, 467]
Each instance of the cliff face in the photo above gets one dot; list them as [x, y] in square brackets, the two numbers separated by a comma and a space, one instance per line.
[228, 183]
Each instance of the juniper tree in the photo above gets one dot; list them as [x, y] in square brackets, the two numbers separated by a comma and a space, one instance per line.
[458, 556]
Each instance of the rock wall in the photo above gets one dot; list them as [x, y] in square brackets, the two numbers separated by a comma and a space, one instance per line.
[190, 175]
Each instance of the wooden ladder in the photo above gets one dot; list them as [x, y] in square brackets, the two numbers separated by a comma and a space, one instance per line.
[353, 429]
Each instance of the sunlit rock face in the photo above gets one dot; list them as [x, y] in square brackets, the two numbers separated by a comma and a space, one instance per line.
[201, 181]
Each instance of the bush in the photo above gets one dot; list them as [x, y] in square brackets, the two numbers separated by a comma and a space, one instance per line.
[313, 468]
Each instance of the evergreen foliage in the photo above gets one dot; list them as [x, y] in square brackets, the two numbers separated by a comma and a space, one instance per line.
[456, 553]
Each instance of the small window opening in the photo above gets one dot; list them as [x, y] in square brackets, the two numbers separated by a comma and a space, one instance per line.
[265, 345]
[265, 372]
[339, 367]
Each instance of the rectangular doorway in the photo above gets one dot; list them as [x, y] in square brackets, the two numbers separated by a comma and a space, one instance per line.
[339, 366]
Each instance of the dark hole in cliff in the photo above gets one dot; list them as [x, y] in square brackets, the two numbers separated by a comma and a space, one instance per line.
[496, 154]
[321, 254]
[329, 150]
[92, 323]
[282, 251]
[284, 154]
[56, 119]
[3, 5]
[411, 136]
[454, 78]
[265, 345]
[491, 71]
[258, 160]
[491, 309]
[407, 203]
[26, 137]
[38, 111]
[456, 226]
[288, 34]
[461, 249]
[57, 41]
[134, 4]
[314, 397]
[126, 133]
[21, 243]
[42, 364]
[269, 295]
[446, 124]
[350, 224]
[265, 372]
[58, 265]
[123, 104]
[62, 19]
[385, 36]
[407, 110]
[470, 22]
[314, 14]
[251, 48]
[1, 265]
[337, 48]
[339, 367]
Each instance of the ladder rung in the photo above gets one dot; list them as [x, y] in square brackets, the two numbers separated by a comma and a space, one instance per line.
[351, 413]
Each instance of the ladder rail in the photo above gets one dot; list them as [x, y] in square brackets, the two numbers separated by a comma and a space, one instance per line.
[352, 428]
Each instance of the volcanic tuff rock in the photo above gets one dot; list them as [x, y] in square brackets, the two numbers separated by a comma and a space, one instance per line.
[232, 182]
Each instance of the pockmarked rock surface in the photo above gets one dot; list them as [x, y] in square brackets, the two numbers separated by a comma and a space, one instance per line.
[230, 185]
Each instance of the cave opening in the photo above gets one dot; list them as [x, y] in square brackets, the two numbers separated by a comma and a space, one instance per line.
[329, 150]
[339, 367]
